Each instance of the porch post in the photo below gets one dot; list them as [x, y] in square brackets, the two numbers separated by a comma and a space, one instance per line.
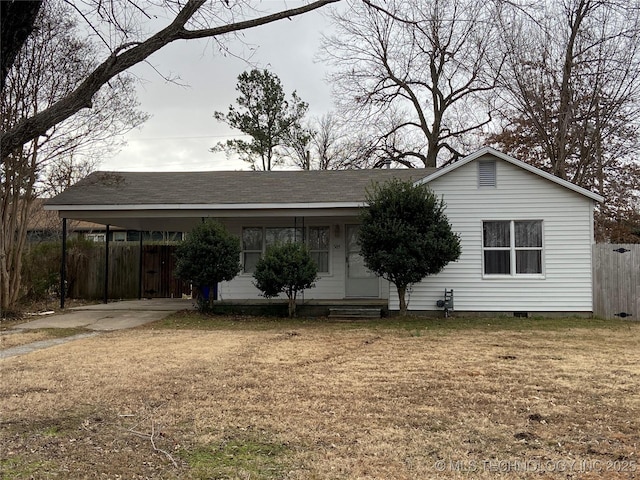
[140, 270]
[63, 263]
[106, 267]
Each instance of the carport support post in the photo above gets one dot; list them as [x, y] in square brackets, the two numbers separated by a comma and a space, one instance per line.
[106, 267]
[63, 263]
[140, 269]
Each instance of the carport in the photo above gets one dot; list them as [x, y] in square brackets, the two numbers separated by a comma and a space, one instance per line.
[297, 201]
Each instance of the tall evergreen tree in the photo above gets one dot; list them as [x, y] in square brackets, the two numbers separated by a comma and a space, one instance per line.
[264, 114]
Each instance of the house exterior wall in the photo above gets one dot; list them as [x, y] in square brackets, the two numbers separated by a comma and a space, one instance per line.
[567, 218]
[329, 286]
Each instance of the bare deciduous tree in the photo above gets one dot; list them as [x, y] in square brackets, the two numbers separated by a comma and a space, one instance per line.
[426, 62]
[333, 145]
[572, 84]
[16, 24]
[120, 28]
[50, 65]
[130, 45]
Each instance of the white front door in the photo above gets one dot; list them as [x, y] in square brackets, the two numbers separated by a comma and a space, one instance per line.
[361, 282]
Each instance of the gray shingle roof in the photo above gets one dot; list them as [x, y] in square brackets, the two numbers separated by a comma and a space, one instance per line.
[239, 187]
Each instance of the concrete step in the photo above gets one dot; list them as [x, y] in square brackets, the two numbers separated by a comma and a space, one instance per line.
[355, 312]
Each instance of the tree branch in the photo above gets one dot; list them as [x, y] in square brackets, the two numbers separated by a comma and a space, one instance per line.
[119, 61]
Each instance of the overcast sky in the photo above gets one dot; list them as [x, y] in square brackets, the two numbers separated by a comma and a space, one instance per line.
[181, 129]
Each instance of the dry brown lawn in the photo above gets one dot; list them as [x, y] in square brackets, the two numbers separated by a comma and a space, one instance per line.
[332, 401]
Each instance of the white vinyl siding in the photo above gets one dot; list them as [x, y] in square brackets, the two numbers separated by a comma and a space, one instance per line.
[520, 195]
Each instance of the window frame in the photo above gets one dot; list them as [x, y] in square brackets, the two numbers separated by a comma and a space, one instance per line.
[119, 236]
[513, 249]
[96, 237]
[254, 251]
[304, 239]
[317, 251]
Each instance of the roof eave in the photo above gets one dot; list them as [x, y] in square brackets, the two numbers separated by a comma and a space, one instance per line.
[218, 206]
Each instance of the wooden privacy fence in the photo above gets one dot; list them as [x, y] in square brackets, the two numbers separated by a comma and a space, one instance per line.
[87, 271]
[616, 280]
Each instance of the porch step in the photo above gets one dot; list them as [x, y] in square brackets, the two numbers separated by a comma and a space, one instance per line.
[355, 312]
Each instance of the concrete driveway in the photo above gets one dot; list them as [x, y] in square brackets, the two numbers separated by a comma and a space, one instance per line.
[112, 316]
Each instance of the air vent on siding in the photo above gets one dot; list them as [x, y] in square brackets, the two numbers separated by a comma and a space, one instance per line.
[487, 173]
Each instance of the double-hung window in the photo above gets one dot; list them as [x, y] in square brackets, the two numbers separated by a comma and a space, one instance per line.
[252, 246]
[256, 240]
[318, 243]
[512, 247]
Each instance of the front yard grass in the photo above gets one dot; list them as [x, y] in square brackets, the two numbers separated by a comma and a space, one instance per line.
[198, 397]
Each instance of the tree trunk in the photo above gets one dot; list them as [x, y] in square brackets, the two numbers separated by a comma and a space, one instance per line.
[402, 290]
[18, 19]
[565, 113]
[14, 236]
[292, 304]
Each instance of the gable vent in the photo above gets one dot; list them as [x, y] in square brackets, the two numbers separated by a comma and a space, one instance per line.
[487, 173]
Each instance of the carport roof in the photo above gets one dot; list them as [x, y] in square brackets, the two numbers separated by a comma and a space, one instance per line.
[226, 187]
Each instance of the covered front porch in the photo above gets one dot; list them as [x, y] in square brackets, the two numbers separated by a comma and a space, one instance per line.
[347, 308]
[343, 280]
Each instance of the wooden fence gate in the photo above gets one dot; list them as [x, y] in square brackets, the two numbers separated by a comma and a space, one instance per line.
[616, 280]
[158, 266]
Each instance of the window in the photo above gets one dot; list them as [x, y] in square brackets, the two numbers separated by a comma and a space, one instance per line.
[256, 240]
[119, 236]
[251, 248]
[282, 235]
[497, 248]
[318, 243]
[96, 237]
[486, 173]
[512, 247]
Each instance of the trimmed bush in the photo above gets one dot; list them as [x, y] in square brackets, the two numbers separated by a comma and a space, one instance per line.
[209, 255]
[286, 268]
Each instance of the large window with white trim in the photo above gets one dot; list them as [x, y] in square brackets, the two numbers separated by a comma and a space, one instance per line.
[256, 240]
[512, 247]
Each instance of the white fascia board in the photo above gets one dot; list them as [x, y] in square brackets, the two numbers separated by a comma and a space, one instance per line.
[230, 206]
[513, 161]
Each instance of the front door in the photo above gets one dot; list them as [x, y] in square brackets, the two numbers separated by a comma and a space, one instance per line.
[361, 282]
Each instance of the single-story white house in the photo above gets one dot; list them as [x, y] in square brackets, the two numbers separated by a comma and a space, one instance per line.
[526, 235]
